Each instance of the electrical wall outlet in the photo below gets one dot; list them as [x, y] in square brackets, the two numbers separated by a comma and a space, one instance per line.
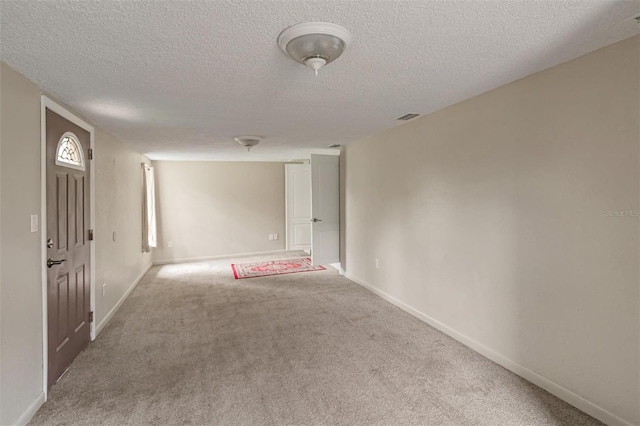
[270, 237]
[275, 236]
[377, 264]
[169, 243]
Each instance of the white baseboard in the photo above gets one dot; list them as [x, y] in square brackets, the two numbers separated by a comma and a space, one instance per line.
[338, 267]
[223, 256]
[31, 410]
[117, 306]
[535, 378]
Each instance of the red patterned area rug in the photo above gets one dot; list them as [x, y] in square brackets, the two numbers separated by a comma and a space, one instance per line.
[274, 267]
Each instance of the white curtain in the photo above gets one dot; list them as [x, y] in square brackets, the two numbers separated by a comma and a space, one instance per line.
[148, 209]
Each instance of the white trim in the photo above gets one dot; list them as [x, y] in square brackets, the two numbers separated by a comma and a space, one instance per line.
[47, 103]
[338, 267]
[31, 410]
[117, 306]
[535, 378]
[224, 256]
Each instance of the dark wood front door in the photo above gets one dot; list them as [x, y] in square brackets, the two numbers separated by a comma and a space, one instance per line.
[68, 246]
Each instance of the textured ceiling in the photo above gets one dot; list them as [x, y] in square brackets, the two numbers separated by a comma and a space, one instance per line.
[178, 79]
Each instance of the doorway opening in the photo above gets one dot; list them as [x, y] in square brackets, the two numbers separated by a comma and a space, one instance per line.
[313, 208]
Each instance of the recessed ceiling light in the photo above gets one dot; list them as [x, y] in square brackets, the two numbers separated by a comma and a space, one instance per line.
[248, 141]
[314, 44]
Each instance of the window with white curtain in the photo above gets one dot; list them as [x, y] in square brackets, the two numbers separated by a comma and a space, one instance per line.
[149, 238]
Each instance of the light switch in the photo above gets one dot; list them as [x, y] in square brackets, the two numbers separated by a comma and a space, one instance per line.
[34, 223]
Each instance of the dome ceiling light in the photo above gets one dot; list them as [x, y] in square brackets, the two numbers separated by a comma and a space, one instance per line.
[248, 141]
[314, 44]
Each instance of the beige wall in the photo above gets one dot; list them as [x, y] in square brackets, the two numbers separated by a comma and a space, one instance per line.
[119, 263]
[1, 138]
[490, 217]
[210, 209]
[118, 208]
[20, 283]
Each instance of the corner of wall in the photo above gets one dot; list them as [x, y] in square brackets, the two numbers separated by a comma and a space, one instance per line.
[31, 410]
[533, 377]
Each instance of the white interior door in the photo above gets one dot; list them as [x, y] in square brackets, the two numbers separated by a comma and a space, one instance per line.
[298, 199]
[325, 209]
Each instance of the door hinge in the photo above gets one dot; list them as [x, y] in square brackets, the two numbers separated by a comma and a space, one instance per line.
[90, 234]
[90, 316]
[90, 154]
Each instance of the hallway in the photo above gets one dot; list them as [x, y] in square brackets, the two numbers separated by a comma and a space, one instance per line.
[192, 345]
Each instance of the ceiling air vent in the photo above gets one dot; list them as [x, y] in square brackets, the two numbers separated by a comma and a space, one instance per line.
[335, 145]
[407, 117]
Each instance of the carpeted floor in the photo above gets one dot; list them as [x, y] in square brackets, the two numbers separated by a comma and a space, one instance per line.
[192, 345]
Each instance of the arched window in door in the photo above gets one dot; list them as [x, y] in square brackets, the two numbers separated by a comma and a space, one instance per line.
[69, 152]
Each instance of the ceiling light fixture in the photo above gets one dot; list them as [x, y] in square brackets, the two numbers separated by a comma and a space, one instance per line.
[314, 44]
[248, 141]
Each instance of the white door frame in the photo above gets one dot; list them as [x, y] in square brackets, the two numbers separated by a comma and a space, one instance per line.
[48, 103]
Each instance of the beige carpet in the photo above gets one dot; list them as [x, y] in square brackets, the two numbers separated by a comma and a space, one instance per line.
[192, 345]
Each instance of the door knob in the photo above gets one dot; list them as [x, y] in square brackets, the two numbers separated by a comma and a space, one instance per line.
[316, 220]
[51, 262]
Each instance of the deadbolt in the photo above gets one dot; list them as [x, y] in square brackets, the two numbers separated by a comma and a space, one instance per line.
[50, 243]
